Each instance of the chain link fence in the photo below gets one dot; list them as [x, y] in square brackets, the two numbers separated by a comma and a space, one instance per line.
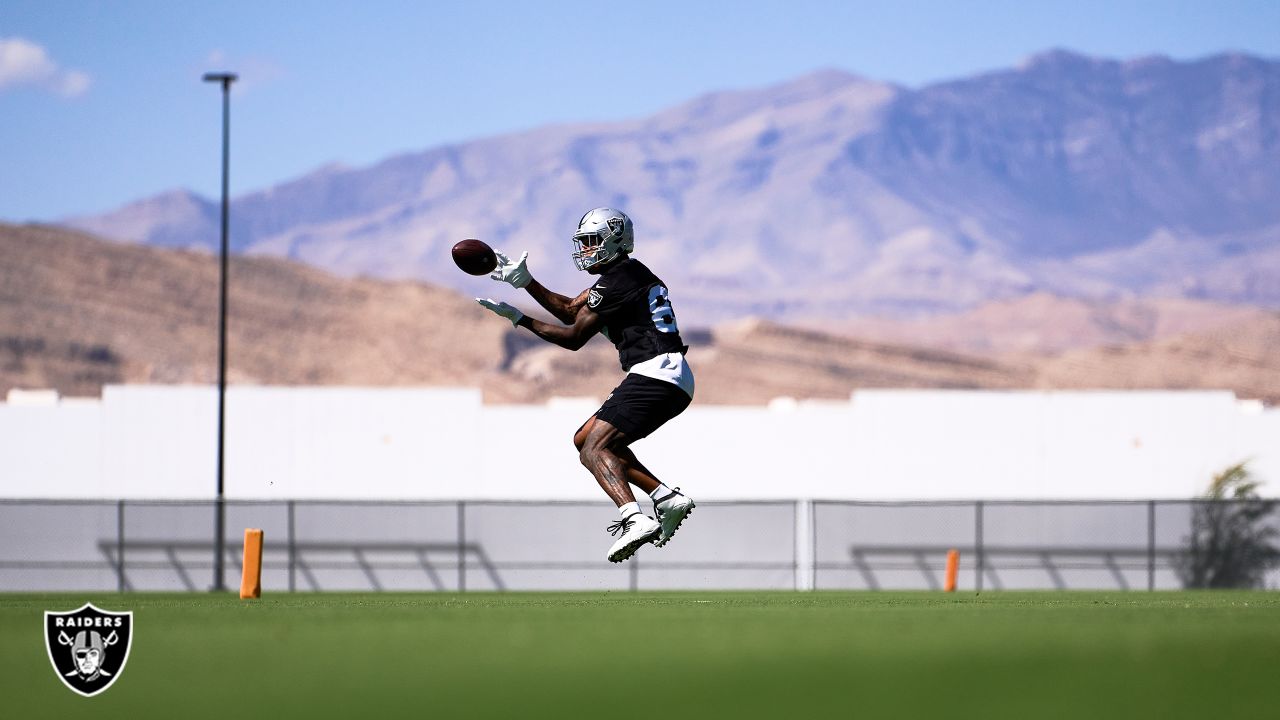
[138, 545]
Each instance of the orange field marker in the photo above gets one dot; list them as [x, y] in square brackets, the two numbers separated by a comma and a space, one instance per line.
[251, 579]
[953, 569]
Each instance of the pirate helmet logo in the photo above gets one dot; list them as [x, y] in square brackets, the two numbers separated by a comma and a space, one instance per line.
[88, 647]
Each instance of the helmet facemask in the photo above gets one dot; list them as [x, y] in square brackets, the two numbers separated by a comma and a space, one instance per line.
[603, 235]
[589, 250]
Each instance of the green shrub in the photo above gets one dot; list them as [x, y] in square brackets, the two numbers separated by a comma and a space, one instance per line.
[1230, 545]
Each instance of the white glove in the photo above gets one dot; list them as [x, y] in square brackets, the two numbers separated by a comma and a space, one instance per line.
[514, 273]
[507, 311]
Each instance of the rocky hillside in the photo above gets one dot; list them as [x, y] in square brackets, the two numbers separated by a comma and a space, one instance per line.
[77, 312]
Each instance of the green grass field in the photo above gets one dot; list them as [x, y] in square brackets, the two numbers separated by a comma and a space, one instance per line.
[736, 655]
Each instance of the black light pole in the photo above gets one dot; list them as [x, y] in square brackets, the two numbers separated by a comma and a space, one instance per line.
[221, 512]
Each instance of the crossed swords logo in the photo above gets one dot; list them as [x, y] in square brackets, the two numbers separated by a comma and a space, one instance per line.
[88, 647]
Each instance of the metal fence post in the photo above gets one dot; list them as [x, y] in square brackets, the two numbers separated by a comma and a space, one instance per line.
[806, 543]
[1151, 545]
[813, 545]
[293, 548]
[120, 585]
[462, 546]
[977, 545]
[219, 537]
[798, 583]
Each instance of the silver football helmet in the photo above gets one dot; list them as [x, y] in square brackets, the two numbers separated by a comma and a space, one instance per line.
[603, 234]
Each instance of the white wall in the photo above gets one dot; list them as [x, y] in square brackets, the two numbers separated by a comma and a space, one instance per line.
[433, 443]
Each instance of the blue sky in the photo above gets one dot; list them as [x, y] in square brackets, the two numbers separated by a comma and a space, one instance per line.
[101, 103]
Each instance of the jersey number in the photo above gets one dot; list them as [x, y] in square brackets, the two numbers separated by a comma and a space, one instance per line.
[664, 318]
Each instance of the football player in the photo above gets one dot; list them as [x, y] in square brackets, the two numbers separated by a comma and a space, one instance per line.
[629, 305]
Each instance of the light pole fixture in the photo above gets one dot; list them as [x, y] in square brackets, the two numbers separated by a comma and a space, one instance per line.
[220, 520]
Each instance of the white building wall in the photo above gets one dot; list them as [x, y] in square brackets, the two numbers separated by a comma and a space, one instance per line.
[52, 451]
[433, 443]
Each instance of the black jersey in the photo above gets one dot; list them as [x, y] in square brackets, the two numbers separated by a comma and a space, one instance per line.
[637, 314]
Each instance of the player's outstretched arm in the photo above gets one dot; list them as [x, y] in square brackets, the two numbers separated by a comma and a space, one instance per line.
[564, 309]
[516, 274]
[585, 324]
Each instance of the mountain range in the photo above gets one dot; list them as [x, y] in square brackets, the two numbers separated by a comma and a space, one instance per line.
[831, 197]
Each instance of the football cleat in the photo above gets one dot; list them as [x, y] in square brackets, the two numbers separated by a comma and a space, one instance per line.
[671, 511]
[637, 529]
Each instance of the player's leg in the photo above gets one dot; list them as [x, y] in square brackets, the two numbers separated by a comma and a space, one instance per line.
[597, 455]
[636, 473]
[670, 506]
[598, 442]
[639, 406]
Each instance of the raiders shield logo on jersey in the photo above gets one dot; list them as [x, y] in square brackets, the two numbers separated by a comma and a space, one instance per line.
[88, 647]
[594, 298]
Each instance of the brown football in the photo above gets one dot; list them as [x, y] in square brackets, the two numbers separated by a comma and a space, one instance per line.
[475, 257]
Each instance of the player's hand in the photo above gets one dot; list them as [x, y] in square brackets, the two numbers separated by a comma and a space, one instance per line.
[507, 311]
[514, 273]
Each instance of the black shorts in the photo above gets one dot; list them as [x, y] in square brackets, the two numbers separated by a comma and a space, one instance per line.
[640, 405]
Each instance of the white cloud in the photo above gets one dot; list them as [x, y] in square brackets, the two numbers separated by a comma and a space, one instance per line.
[252, 71]
[24, 63]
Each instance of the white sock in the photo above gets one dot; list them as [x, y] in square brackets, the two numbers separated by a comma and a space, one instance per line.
[661, 491]
[629, 509]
